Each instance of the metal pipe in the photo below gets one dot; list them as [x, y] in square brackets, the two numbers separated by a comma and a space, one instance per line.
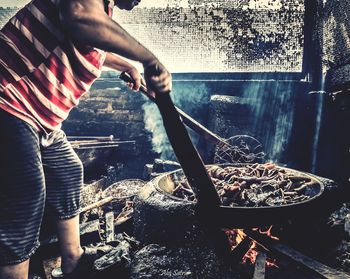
[111, 137]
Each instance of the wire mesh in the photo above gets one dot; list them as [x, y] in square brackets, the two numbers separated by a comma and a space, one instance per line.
[239, 149]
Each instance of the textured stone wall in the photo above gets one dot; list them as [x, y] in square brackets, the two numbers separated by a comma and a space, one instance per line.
[108, 112]
[336, 41]
[337, 33]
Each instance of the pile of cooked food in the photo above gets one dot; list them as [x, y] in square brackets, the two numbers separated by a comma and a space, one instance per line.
[253, 185]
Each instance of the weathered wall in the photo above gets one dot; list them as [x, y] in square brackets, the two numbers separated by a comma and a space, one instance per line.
[108, 111]
[220, 35]
[332, 140]
[6, 14]
[336, 41]
[111, 109]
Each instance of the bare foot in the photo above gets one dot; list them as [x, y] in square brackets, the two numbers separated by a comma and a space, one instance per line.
[69, 262]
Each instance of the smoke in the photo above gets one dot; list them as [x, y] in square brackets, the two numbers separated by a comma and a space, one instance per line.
[319, 101]
[191, 97]
[272, 104]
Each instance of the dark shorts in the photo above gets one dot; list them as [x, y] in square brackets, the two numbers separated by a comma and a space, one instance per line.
[36, 172]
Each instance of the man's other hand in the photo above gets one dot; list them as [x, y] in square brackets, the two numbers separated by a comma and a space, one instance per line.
[158, 78]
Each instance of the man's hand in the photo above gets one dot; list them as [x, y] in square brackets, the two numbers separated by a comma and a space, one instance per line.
[158, 78]
[138, 79]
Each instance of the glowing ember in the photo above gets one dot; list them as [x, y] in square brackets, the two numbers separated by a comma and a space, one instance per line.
[251, 254]
[267, 233]
[236, 236]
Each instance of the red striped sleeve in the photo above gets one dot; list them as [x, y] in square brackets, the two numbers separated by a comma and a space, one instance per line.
[91, 55]
[62, 72]
[50, 42]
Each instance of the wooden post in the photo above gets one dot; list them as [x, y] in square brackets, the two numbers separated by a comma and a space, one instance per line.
[109, 226]
[260, 264]
[313, 42]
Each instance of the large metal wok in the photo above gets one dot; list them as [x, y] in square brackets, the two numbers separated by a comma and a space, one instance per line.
[244, 216]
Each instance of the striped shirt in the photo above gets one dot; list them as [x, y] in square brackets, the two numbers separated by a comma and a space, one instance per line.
[42, 72]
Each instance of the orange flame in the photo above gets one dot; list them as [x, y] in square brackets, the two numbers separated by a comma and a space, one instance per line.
[251, 254]
[235, 236]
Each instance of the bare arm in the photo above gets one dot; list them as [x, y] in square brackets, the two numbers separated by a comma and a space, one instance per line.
[117, 63]
[87, 23]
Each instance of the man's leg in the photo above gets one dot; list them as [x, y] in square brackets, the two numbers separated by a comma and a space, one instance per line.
[69, 237]
[64, 179]
[16, 271]
[22, 195]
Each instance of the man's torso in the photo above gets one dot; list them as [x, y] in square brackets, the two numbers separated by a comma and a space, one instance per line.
[42, 73]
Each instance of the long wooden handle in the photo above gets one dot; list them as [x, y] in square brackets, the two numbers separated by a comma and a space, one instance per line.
[186, 153]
